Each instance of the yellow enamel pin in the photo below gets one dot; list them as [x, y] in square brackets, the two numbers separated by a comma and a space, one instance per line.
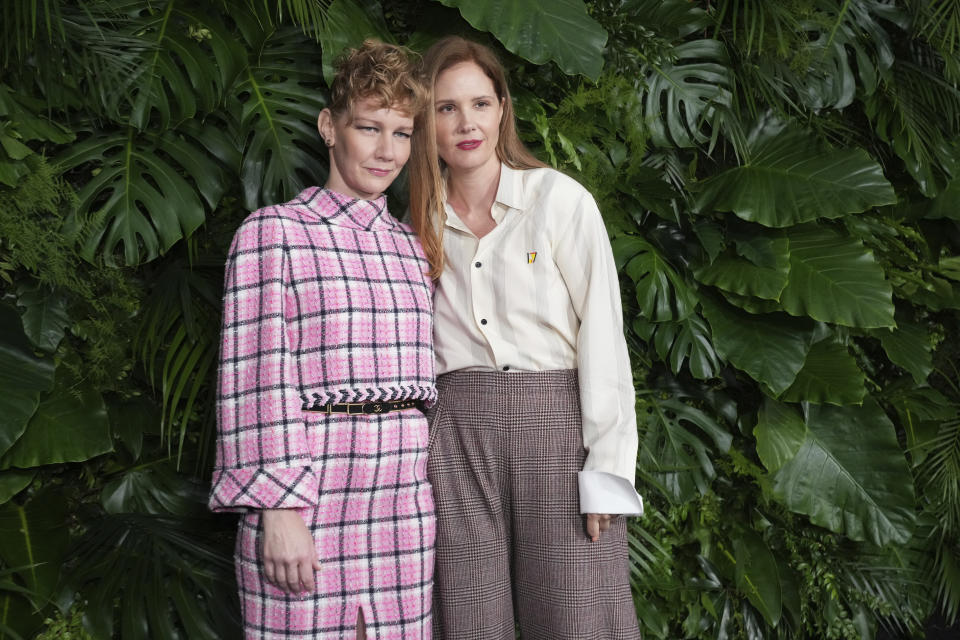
[531, 257]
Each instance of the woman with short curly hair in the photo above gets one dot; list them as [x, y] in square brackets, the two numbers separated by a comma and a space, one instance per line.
[326, 362]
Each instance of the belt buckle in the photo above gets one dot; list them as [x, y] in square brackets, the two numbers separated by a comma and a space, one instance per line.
[350, 406]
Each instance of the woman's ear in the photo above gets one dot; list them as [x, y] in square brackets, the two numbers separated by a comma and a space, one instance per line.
[326, 128]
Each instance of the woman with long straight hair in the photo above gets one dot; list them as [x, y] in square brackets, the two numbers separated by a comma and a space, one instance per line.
[325, 365]
[533, 438]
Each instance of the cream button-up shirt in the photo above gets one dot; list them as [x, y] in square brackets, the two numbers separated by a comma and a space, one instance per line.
[540, 292]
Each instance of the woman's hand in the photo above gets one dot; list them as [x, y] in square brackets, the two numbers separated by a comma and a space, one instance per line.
[597, 523]
[289, 555]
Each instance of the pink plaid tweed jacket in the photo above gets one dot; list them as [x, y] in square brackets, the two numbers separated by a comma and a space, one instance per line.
[316, 310]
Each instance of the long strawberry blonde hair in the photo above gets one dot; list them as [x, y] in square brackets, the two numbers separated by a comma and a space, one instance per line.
[427, 213]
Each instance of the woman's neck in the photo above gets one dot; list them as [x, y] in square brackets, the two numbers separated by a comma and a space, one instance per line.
[471, 193]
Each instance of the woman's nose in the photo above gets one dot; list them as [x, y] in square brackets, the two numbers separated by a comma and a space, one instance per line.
[465, 123]
[385, 148]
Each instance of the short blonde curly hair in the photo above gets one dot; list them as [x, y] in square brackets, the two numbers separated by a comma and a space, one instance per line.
[384, 72]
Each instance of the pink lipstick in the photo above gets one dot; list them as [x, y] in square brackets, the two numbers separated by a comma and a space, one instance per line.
[469, 145]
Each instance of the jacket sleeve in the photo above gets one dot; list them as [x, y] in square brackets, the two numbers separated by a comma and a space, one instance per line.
[607, 396]
[263, 457]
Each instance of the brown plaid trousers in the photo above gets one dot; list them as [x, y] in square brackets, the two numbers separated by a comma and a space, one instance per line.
[505, 449]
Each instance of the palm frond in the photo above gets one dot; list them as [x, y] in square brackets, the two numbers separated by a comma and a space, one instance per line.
[938, 21]
[757, 26]
[178, 343]
[939, 476]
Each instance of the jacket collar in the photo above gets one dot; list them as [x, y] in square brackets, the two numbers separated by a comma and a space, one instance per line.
[331, 207]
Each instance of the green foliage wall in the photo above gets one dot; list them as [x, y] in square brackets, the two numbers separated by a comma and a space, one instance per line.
[781, 184]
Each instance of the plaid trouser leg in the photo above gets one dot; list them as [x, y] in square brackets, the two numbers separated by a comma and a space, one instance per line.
[505, 452]
[472, 591]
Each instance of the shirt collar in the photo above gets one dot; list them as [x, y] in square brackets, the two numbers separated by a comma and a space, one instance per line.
[509, 195]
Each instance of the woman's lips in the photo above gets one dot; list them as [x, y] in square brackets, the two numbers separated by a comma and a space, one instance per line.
[380, 173]
[469, 145]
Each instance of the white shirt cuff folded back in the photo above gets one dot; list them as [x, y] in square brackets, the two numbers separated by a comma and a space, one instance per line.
[602, 492]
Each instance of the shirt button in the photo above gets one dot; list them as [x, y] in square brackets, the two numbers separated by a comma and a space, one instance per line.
[506, 368]
[476, 264]
[483, 321]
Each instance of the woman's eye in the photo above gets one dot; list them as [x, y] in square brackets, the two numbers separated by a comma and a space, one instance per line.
[402, 134]
[482, 104]
[372, 129]
[447, 108]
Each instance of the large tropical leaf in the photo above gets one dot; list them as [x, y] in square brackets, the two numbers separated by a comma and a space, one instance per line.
[23, 378]
[757, 575]
[789, 178]
[181, 70]
[541, 30]
[908, 346]
[155, 489]
[70, 425]
[162, 577]
[780, 432]
[749, 274]
[347, 25]
[770, 348]
[45, 316]
[674, 454]
[850, 475]
[14, 481]
[834, 278]
[829, 375]
[689, 341]
[686, 99]
[276, 103]
[35, 536]
[661, 292]
[143, 193]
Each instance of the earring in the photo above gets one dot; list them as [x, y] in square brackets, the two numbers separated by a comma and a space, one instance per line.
[327, 142]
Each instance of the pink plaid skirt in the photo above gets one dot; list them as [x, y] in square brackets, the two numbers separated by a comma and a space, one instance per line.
[374, 531]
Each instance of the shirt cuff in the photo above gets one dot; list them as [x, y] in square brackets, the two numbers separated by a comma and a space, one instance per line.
[246, 488]
[602, 492]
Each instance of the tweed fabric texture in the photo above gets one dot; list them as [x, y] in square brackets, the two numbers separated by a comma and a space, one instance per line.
[374, 532]
[326, 300]
[511, 545]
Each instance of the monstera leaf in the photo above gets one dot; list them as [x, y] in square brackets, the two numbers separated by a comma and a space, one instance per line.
[686, 99]
[541, 30]
[143, 192]
[689, 341]
[675, 455]
[174, 77]
[789, 178]
[770, 348]
[849, 474]
[834, 278]
[276, 103]
[661, 292]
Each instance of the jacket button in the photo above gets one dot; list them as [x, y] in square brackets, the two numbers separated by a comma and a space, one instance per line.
[483, 321]
[477, 264]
